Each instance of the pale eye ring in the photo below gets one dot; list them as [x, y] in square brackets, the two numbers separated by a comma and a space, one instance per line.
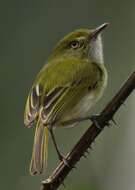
[75, 44]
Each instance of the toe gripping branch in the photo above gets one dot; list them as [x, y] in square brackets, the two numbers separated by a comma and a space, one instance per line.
[85, 142]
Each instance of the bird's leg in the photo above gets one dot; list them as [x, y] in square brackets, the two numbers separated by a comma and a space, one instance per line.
[93, 118]
[60, 155]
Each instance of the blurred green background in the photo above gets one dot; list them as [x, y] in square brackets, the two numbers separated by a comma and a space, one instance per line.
[28, 31]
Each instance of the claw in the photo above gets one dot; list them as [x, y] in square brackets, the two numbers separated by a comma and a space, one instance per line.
[62, 158]
[114, 121]
[94, 119]
[107, 124]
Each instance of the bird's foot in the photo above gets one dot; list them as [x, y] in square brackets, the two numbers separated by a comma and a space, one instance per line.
[95, 119]
[62, 158]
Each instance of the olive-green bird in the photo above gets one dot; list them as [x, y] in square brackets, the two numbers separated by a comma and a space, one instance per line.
[65, 89]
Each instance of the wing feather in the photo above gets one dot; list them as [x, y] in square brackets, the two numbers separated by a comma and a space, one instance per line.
[32, 105]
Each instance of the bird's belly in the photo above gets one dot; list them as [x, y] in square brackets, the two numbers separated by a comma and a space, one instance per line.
[83, 107]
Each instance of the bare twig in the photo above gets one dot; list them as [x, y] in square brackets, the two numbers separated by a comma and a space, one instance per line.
[79, 150]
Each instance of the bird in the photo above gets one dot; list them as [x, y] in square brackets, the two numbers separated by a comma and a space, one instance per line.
[69, 84]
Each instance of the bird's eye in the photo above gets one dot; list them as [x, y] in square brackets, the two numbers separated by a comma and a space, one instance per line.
[75, 44]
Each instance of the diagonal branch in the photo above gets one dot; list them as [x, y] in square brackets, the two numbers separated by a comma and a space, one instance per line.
[79, 150]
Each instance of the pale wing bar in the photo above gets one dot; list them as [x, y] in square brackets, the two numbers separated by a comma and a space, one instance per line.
[33, 105]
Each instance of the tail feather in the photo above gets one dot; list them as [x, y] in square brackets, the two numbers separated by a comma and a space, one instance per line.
[40, 150]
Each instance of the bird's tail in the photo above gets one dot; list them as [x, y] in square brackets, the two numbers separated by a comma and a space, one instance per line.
[40, 150]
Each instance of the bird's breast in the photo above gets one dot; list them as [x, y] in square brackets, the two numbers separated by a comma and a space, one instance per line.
[83, 107]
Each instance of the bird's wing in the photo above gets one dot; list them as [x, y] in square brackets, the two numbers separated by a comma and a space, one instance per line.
[32, 105]
[64, 83]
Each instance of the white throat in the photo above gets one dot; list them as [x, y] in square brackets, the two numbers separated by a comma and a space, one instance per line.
[96, 50]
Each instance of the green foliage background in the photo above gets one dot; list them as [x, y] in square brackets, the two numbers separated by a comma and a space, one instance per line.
[28, 31]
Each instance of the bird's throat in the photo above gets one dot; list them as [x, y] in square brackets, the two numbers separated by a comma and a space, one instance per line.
[96, 50]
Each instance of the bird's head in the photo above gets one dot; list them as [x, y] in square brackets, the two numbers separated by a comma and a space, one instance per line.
[82, 43]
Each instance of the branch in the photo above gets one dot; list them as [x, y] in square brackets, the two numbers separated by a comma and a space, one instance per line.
[84, 144]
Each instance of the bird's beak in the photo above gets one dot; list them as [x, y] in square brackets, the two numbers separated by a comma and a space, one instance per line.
[98, 30]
